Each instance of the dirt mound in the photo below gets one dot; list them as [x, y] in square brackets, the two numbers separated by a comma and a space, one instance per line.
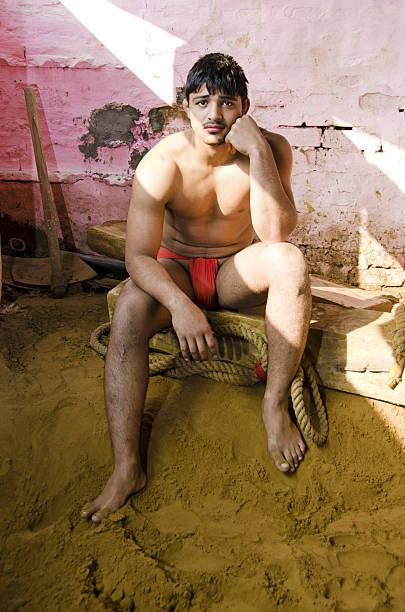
[218, 528]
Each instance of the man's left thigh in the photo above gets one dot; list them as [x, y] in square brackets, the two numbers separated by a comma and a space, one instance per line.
[244, 279]
[240, 282]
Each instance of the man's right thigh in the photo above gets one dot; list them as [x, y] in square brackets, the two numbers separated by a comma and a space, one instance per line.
[140, 308]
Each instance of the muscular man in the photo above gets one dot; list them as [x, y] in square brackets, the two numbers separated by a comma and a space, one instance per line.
[200, 199]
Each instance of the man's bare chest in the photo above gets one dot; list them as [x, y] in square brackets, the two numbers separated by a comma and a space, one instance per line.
[219, 192]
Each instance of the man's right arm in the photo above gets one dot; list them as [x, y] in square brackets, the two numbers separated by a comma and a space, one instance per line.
[154, 185]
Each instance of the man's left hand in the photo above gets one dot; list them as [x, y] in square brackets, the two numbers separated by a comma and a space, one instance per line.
[245, 135]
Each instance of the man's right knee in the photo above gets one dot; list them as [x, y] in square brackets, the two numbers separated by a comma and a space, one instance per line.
[137, 313]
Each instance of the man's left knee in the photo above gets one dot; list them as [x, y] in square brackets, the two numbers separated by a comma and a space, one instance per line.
[287, 267]
[287, 262]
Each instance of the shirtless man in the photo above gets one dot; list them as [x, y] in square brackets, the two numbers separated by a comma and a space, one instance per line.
[207, 192]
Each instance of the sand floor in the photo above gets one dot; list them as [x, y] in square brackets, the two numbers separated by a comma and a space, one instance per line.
[218, 528]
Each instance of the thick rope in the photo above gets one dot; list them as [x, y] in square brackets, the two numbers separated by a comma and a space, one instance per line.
[398, 346]
[239, 374]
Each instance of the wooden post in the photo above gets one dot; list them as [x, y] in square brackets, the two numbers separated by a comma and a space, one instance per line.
[58, 281]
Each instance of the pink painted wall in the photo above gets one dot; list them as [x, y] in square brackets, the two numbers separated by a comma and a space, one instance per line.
[324, 73]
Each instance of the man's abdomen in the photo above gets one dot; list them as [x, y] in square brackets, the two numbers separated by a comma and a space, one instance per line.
[209, 239]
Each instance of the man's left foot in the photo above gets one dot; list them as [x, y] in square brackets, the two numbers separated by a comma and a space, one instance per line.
[285, 443]
[121, 485]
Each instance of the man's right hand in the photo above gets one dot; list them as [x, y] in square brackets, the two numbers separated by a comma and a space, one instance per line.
[194, 333]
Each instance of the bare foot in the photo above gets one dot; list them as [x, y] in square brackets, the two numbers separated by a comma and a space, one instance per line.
[285, 443]
[119, 487]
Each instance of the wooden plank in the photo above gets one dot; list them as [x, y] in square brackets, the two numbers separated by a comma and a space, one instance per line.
[351, 297]
[108, 238]
[351, 349]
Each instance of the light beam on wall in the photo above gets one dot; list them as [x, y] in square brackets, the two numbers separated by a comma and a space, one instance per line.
[391, 162]
[145, 49]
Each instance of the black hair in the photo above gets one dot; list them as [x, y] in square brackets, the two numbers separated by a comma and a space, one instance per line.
[219, 72]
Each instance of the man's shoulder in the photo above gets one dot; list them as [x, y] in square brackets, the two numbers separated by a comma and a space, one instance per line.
[173, 145]
[160, 166]
[163, 158]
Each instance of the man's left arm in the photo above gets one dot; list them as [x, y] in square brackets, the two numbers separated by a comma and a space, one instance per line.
[271, 200]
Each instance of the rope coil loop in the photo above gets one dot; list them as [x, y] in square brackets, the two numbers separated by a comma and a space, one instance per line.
[238, 374]
[398, 346]
[306, 372]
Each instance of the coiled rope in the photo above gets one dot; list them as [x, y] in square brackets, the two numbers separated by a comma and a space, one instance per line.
[398, 346]
[313, 424]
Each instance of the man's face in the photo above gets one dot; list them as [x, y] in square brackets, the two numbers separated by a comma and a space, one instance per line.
[212, 115]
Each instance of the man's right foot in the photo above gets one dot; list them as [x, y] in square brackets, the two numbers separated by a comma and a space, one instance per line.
[116, 492]
[285, 442]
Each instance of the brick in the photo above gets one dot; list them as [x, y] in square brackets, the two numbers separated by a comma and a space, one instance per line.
[301, 136]
[374, 278]
[303, 160]
[343, 161]
[337, 139]
[364, 141]
[394, 291]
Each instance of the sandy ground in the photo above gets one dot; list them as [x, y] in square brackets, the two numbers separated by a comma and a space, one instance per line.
[218, 528]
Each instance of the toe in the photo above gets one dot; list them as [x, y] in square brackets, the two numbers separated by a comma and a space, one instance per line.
[299, 453]
[289, 457]
[100, 515]
[280, 462]
[88, 509]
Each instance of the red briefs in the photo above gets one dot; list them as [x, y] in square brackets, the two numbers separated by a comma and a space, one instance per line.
[203, 272]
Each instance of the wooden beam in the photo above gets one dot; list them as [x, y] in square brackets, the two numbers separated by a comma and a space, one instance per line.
[108, 238]
[58, 281]
[351, 297]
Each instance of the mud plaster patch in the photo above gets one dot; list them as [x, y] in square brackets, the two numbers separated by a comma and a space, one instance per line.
[136, 157]
[109, 126]
[161, 115]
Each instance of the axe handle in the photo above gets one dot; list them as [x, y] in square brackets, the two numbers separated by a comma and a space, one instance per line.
[58, 281]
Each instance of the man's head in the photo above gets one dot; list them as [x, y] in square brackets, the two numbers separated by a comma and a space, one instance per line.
[215, 96]
[220, 73]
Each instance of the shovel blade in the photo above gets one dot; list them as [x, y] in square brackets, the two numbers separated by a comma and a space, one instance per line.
[37, 270]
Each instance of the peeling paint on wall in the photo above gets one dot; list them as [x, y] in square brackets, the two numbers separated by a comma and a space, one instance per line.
[115, 125]
[109, 126]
